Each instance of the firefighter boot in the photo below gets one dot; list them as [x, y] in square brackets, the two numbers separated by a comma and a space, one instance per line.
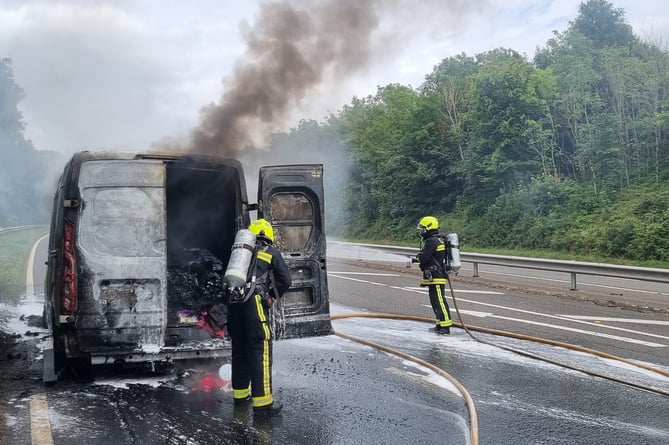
[272, 409]
[244, 401]
[441, 330]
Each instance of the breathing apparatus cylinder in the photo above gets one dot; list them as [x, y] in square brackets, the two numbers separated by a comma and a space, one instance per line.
[236, 275]
[453, 252]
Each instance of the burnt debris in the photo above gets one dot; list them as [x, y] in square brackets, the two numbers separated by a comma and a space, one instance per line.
[195, 284]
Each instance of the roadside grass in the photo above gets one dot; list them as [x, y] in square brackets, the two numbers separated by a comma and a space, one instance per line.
[14, 250]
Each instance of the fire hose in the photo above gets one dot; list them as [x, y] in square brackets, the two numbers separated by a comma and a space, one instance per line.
[469, 328]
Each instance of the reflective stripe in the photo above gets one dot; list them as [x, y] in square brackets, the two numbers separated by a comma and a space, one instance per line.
[442, 304]
[440, 248]
[434, 281]
[265, 256]
[266, 357]
[259, 308]
[241, 393]
[266, 370]
[262, 401]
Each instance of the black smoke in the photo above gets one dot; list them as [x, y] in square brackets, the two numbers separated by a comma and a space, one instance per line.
[289, 51]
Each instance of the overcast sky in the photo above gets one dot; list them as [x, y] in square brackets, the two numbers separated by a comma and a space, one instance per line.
[103, 74]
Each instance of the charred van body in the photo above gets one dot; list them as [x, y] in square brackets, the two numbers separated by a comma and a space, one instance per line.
[139, 244]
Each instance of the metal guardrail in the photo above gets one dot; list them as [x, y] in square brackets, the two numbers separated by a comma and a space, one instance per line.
[4, 230]
[574, 268]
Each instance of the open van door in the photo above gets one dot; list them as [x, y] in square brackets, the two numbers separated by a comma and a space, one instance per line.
[291, 198]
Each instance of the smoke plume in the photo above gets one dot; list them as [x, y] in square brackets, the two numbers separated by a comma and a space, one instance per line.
[290, 50]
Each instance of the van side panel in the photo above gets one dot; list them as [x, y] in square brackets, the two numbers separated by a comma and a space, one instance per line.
[122, 256]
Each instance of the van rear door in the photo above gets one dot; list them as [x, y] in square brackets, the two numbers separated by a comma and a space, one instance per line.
[122, 256]
[291, 198]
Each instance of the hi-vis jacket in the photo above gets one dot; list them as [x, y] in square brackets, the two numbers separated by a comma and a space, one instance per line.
[270, 257]
[432, 258]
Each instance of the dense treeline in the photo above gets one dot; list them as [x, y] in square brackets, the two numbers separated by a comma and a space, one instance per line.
[23, 199]
[566, 152]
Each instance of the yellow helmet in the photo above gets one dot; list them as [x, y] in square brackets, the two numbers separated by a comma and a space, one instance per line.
[427, 223]
[262, 228]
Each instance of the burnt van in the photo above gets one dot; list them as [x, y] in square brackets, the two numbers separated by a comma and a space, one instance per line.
[138, 243]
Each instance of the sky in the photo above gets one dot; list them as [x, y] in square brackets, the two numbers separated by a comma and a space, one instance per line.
[129, 74]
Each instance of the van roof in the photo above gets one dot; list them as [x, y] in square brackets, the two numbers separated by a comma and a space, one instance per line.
[86, 155]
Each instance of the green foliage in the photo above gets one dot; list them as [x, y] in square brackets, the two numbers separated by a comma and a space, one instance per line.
[556, 155]
[564, 217]
[639, 228]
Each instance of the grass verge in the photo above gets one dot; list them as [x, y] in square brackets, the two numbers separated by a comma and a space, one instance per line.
[14, 250]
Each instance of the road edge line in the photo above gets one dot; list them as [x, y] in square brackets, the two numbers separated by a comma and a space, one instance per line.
[40, 421]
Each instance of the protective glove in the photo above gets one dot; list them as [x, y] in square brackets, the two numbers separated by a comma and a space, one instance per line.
[427, 275]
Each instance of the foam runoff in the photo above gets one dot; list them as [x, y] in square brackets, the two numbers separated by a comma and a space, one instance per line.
[415, 337]
[14, 319]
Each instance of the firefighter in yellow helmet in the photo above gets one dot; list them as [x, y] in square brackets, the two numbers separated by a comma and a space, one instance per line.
[432, 261]
[249, 328]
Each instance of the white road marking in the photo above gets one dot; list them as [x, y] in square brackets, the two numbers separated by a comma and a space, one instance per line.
[462, 291]
[423, 291]
[367, 273]
[30, 280]
[475, 313]
[359, 281]
[618, 320]
[40, 422]
[566, 328]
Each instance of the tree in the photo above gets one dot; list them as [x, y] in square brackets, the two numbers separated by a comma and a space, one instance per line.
[500, 159]
[603, 24]
[22, 201]
[541, 127]
[451, 83]
[15, 199]
[11, 120]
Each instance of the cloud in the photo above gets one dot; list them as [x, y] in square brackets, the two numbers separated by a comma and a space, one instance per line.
[123, 74]
[87, 70]
[99, 76]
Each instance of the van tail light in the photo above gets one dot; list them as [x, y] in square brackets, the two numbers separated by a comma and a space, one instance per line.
[69, 294]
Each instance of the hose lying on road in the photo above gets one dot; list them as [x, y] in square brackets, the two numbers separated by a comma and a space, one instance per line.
[470, 328]
[473, 419]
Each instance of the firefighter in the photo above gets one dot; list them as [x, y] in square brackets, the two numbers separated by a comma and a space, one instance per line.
[249, 327]
[432, 260]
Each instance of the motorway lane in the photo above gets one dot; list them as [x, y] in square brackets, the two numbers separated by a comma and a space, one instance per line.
[629, 334]
[341, 393]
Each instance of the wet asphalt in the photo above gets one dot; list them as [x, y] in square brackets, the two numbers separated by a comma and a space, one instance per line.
[336, 391]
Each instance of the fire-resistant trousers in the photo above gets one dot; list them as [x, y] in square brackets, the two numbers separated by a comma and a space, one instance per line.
[439, 305]
[251, 351]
